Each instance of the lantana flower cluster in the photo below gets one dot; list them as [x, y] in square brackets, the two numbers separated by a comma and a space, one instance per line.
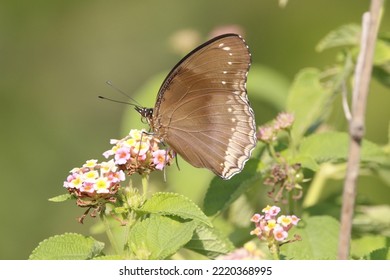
[94, 183]
[139, 152]
[271, 228]
[247, 252]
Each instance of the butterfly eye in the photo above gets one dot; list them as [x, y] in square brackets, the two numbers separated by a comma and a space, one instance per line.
[144, 112]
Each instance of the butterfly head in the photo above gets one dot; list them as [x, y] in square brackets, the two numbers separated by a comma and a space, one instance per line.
[146, 113]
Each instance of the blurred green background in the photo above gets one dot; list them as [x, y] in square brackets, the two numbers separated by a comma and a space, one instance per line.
[55, 57]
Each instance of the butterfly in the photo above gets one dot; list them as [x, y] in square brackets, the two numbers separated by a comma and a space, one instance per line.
[202, 111]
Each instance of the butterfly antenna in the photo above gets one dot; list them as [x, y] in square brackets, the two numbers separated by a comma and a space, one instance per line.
[123, 93]
[117, 101]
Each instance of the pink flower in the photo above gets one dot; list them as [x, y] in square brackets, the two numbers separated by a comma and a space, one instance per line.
[266, 134]
[117, 176]
[279, 233]
[256, 218]
[74, 183]
[108, 153]
[87, 188]
[248, 252]
[122, 155]
[68, 181]
[294, 220]
[159, 159]
[284, 121]
[271, 212]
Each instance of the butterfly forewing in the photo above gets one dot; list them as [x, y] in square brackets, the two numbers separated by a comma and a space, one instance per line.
[202, 110]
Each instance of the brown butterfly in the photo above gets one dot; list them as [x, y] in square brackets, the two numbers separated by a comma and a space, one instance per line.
[202, 110]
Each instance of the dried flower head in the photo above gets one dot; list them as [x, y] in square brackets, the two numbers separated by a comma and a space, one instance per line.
[287, 178]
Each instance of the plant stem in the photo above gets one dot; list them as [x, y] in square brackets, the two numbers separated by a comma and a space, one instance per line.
[318, 185]
[356, 126]
[275, 250]
[110, 235]
[271, 151]
[145, 185]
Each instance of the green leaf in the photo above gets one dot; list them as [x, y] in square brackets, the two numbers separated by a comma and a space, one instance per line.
[174, 204]
[384, 175]
[159, 237]
[382, 74]
[306, 162]
[268, 85]
[61, 198]
[372, 219]
[346, 35]
[308, 100]
[222, 193]
[334, 147]
[110, 257]
[380, 254]
[362, 247]
[319, 239]
[68, 246]
[382, 52]
[325, 147]
[209, 242]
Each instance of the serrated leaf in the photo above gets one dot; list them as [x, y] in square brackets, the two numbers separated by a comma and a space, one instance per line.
[209, 242]
[159, 237]
[319, 239]
[68, 246]
[346, 35]
[308, 100]
[362, 247]
[380, 254]
[61, 198]
[222, 193]
[334, 147]
[110, 257]
[174, 204]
